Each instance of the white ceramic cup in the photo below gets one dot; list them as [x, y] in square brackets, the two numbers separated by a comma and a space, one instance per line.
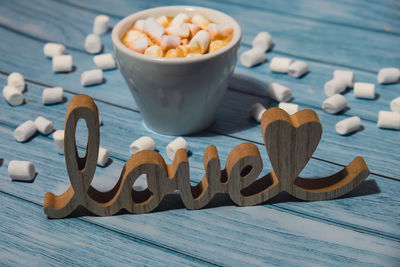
[177, 96]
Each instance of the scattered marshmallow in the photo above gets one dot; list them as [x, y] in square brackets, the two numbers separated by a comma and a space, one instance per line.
[389, 120]
[53, 49]
[100, 25]
[25, 131]
[43, 125]
[58, 137]
[346, 75]
[175, 145]
[263, 41]
[143, 143]
[348, 125]
[17, 80]
[154, 51]
[200, 42]
[256, 111]
[19, 170]
[252, 57]
[389, 75]
[52, 95]
[395, 104]
[91, 77]
[169, 42]
[279, 92]
[62, 63]
[298, 69]
[13, 95]
[153, 28]
[93, 44]
[364, 90]
[289, 107]
[280, 64]
[105, 61]
[103, 156]
[140, 45]
[335, 86]
[334, 104]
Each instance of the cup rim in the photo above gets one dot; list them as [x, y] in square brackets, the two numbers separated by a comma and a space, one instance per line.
[115, 35]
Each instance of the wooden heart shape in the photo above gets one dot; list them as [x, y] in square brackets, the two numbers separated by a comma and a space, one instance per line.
[290, 141]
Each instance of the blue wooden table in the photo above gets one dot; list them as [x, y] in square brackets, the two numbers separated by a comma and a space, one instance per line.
[361, 228]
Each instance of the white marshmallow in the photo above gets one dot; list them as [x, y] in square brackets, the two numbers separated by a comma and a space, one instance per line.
[280, 64]
[163, 20]
[179, 19]
[175, 145]
[364, 90]
[43, 125]
[279, 92]
[62, 63]
[253, 57]
[13, 95]
[200, 20]
[91, 77]
[53, 49]
[93, 44]
[182, 30]
[334, 104]
[346, 75]
[58, 137]
[256, 111]
[21, 170]
[25, 131]
[219, 32]
[103, 156]
[153, 28]
[17, 80]
[389, 120]
[100, 25]
[139, 25]
[298, 69]
[143, 143]
[263, 41]
[105, 61]
[140, 45]
[200, 42]
[52, 95]
[193, 28]
[395, 104]
[348, 125]
[389, 75]
[289, 108]
[335, 86]
[169, 42]
[154, 51]
[100, 120]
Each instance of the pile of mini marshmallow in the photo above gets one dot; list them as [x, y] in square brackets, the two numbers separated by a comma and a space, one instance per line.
[336, 102]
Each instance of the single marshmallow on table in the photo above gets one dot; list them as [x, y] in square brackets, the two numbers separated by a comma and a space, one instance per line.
[62, 63]
[52, 95]
[263, 41]
[154, 51]
[388, 75]
[348, 125]
[58, 137]
[43, 125]
[140, 45]
[364, 90]
[334, 104]
[346, 75]
[142, 143]
[169, 42]
[102, 157]
[153, 28]
[335, 86]
[389, 120]
[175, 145]
[13, 95]
[21, 170]
[100, 25]
[298, 69]
[91, 77]
[280, 64]
[200, 42]
[17, 80]
[256, 111]
[279, 92]
[93, 44]
[395, 104]
[289, 108]
[253, 57]
[25, 131]
[53, 49]
[105, 61]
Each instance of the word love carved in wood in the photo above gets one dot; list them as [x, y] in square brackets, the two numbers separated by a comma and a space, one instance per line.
[290, 142]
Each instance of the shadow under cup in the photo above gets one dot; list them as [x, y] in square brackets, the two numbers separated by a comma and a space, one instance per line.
[177, 96]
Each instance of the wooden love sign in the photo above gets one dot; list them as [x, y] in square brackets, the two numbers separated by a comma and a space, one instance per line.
[290, 142]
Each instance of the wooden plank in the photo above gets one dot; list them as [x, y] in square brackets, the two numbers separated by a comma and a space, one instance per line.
[29, 238]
